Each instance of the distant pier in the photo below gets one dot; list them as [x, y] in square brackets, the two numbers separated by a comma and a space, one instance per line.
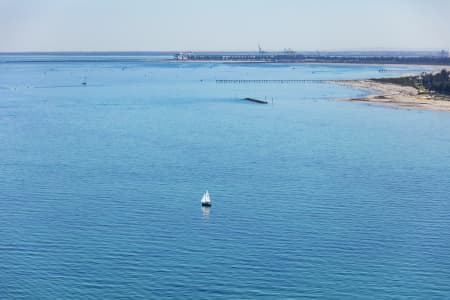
[281, 81]
[269, 81]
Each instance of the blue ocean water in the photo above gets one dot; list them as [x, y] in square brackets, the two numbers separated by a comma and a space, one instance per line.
[314, 198]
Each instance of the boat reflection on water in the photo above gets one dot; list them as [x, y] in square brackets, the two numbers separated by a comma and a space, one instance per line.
[205, 211]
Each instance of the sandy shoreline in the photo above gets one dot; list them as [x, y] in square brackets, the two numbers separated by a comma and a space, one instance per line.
[396, 95]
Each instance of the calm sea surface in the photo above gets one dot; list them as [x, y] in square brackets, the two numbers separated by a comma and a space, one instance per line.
[100, 184]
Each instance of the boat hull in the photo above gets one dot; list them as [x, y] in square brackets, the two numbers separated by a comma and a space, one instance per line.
[206, 204]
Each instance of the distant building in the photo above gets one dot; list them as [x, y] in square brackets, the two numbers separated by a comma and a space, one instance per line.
[183, 55]
[288, 51]
[444, 53]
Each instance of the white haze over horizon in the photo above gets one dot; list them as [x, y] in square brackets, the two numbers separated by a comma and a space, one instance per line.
[202, 25]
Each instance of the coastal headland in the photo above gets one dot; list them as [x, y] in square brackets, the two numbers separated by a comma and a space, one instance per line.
[407, 91]
[397, 96]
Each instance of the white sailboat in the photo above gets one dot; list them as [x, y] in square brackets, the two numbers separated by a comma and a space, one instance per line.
[206, 200]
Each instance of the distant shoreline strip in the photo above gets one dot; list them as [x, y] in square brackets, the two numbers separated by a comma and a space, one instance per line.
[74, 61]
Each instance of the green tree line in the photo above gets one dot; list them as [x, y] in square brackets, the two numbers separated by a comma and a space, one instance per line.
[439, 83]
[426, 82]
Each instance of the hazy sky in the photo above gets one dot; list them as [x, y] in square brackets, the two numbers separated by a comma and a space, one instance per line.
[83, 25]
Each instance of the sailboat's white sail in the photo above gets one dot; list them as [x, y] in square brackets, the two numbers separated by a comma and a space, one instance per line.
[205, 198]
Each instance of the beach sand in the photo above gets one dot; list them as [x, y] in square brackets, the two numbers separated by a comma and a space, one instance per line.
[397, 96]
